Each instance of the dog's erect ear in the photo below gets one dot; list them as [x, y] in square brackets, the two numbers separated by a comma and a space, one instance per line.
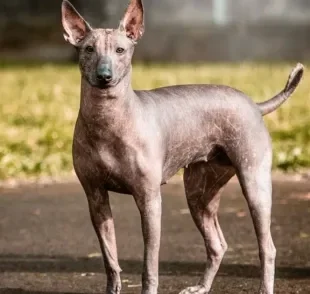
[133, 20]
[75, 27]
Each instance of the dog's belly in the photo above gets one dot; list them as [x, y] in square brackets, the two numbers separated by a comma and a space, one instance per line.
[183, 159]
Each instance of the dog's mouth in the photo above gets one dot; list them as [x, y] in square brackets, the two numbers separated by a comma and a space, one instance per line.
[106, 85]
[103, 84]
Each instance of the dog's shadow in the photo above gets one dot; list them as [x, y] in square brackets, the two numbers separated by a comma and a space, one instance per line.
[21, 291]
[67, 264]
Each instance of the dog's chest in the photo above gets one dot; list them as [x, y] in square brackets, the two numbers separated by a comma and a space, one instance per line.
[117, 163]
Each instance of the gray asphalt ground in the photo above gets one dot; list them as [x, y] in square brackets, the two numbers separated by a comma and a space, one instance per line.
[47, 243]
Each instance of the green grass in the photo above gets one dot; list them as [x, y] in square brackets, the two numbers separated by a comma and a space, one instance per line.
[39, 104]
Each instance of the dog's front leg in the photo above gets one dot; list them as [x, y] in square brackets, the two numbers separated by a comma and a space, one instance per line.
[101, 216]
[149, 206]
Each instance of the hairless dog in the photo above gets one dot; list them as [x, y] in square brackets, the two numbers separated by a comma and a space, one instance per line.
[132, 142]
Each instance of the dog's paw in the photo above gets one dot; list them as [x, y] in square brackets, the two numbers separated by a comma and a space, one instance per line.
[115, 289]
[195, 290]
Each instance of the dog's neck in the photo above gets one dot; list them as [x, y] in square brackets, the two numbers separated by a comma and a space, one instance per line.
[110, 107]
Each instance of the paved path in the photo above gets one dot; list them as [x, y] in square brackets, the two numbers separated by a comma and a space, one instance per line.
[47, 244]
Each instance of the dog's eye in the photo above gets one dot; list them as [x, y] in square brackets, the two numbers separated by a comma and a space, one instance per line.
[89, 49]
[120, 50]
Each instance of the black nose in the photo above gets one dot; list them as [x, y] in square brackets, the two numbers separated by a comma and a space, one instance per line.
[105, 77]
[104, 73]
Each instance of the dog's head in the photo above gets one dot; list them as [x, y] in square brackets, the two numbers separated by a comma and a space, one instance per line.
[104, 54]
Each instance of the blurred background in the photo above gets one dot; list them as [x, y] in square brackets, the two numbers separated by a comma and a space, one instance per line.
[251, 45]
[177, 30]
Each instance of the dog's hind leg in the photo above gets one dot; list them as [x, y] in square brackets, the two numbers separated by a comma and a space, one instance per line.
[203, 184]
[257, 188]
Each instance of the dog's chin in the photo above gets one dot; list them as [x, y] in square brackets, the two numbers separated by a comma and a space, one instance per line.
[104, 85]
[94, 83]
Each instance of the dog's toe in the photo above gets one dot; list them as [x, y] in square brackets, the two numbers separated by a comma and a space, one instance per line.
[195, 290]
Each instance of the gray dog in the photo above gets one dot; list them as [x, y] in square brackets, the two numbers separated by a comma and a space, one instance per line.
[132, 142]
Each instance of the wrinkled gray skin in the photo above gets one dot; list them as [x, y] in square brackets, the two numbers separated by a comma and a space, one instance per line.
[132, 142]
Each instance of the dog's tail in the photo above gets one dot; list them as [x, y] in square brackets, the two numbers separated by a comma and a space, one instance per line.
[292, 82]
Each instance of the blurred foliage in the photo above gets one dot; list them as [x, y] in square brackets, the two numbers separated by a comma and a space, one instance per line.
[39, 105]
